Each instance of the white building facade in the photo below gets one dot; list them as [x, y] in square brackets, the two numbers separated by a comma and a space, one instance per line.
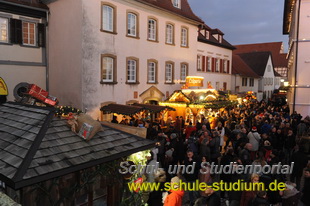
[121, 51]
[22, 44]
[296, 24]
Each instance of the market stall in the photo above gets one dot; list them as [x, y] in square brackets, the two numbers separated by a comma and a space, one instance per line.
[194, 104]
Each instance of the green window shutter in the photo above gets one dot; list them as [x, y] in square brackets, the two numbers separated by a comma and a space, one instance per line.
[16, 31]
[41, 35]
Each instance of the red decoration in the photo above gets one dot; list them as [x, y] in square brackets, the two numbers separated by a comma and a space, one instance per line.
[38, 93]
[138, 181]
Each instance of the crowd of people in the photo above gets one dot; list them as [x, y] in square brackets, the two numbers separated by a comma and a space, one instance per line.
[255, 133]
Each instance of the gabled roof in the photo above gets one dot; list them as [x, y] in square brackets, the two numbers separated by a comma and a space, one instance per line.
[279, 58]
[241, 68]
[184, 11]
[257, 61]
[215, 42]
[217, 31]
[35, 146]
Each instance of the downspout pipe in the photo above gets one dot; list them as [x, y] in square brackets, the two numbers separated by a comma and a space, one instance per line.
[46, 53]
[296, 58]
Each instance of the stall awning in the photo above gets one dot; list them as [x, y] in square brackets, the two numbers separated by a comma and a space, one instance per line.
[154, 108]
[122, 109]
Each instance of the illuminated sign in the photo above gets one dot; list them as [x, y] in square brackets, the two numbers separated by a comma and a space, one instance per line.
[3, 87]
[193, 81]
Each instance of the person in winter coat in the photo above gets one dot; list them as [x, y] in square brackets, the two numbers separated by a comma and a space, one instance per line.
[215, 147]
[254, 139]
[176, 195]
[306, 189]
[221, 130]
[248, 196]
[260, 199]
[210, 198]
[300, 160]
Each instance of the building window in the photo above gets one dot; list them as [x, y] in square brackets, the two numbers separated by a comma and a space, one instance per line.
[217, 86]
[29, 31]
[184, 37]
[132, 70]
[4, 28]
[199, 62]
[183, 72]
[217, 65]
[152, 72]
[132, 24]
[251, 82]
[224, 86]
[108, 18]
[176, 3]
[225, 66]
[209, 64]
[152, 30]
[169, 34]
[108, 68]
[169, 73]
[244, 82]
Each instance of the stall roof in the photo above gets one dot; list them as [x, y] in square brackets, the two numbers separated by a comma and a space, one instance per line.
[122, 109]
[153, 108]
[35, 146]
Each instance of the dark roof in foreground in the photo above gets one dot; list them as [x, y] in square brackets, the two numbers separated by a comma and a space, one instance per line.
[257, 61]
[36, 146]
[241, 68]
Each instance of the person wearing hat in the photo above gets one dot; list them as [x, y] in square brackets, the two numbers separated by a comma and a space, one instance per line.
[176, 194]
[254, 139]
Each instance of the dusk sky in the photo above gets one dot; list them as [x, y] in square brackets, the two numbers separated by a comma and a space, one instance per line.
[244, 21]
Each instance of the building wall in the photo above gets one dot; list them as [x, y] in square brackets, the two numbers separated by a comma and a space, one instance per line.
[65, 51]
[300, 49]
[268, 80]
[209, 50]
[237, 83]
[95, 43]
[20, 63]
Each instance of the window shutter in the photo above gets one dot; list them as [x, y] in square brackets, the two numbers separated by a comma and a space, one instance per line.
[203, 63]
[41, 35]
[221, 65]
[213, 64]
[228, 67]
[16, 31]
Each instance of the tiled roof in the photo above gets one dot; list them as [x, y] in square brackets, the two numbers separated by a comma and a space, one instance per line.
[184, 11]
[257, 61]
[241, 68]
[122, 109]
[35, 146]
[213, 41]
[30, 3]
[153, 108]
[279, 59]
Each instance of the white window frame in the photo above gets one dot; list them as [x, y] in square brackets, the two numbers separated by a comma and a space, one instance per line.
[169, 33]
[4, 31]
[176, 3]
[217, 86]
[109, 67]
[217, 65]
[132, 29]
[152, 26]
[28, 33]
[184, 37]
[183, 72]
[169, 73]
[107, 18]
[131, 71]
[151, 74]
[225, 66]
[199, 62]
[209, 64]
